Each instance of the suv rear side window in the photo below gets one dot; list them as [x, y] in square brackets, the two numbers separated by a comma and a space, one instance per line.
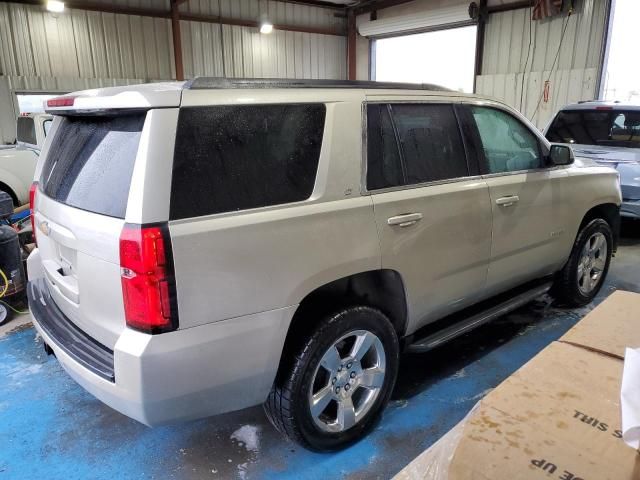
[90, 162]
[430, 145]
[230, 158]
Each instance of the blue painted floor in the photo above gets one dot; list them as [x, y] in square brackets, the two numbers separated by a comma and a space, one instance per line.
[52, 429]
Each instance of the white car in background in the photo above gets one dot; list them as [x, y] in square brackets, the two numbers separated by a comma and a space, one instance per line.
[18, 162]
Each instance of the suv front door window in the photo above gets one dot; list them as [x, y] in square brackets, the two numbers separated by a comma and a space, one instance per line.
[508, 145]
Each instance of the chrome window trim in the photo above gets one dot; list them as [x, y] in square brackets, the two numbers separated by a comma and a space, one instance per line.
[424, 184]
[520, 172]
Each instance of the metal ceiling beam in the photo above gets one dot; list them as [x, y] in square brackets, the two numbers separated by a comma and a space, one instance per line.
[177, 39]
[373, 5]
[101, 7]
[352, 39]
[252, 23]
[315, 3]
[507, 7]
[169, 14]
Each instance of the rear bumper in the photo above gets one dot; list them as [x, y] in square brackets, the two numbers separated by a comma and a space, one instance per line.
[182, 375]
[630, 209]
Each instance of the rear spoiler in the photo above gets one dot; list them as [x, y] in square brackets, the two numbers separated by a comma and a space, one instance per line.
[116, 99]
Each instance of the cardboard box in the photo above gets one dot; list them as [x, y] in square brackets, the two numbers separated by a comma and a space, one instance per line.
[556, 417]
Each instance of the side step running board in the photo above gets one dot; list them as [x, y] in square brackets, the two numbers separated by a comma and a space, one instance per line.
[463, 326]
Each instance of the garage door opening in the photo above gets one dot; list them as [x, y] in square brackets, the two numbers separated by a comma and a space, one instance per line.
[622, 72]
[443, 57]
[33, 102]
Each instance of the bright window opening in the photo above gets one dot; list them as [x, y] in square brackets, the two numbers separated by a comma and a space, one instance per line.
[443, 57]
[33, 103]
[622, 75]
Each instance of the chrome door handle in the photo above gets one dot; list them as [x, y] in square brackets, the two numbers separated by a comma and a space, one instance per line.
[405, 220]
[508, 201]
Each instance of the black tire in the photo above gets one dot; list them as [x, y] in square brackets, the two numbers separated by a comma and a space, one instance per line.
[5, 314]
[13, 196]
[287, 406]
[566, 289]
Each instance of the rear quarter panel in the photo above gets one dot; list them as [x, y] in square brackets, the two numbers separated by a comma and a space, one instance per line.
[239, 263]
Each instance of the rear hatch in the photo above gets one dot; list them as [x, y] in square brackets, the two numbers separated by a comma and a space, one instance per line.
[80, 212]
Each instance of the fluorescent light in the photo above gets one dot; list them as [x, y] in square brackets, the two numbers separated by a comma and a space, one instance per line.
[266, 27]
[55, 6]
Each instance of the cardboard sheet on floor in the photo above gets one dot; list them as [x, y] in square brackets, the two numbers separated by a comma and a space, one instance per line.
[556, 417]
[610, 327]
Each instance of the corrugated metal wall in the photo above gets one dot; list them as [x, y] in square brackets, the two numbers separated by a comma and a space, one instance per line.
[40, 51]
[81, 44]
[574, 76]
[247, 53]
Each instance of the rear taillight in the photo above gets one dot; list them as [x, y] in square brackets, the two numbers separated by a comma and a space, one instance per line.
[32, 205]
[148, 282]
[61, 102]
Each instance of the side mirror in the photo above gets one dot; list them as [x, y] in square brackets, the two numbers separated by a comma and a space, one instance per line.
[561, 155]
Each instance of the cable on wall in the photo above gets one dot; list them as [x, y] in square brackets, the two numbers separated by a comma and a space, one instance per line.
[524, 71]
[555, 60]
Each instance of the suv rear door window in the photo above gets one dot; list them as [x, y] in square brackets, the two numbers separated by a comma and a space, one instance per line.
[596, 127]
[384, 168]
[90, 162]
[230, 158]
[430, 141]
[408, 144]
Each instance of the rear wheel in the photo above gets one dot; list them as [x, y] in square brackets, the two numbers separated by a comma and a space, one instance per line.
[582, 277]
[334, 388]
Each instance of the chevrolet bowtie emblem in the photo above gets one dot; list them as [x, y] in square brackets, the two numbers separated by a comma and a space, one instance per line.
[44, 228]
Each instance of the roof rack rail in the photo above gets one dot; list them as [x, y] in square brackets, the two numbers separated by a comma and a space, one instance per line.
[598, 101]
[203, 83]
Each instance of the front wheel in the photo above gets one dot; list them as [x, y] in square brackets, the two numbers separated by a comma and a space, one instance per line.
[333, 390]
[583, 275]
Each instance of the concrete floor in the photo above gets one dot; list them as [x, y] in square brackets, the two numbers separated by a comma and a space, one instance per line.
[50, 428]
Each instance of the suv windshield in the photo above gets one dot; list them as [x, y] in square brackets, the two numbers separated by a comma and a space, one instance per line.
[90, 162]
[612, 128]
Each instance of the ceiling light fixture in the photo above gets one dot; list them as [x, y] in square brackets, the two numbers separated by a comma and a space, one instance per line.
[55, 6]
[266, 27]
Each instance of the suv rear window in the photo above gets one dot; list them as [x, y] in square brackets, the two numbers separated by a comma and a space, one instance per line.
[230, 158]
[90, 162]
[26, 130]
[613, 128]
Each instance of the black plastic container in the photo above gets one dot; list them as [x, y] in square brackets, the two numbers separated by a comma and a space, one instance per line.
[11, 263]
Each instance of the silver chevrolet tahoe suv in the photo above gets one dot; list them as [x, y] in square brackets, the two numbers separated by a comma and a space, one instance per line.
[217, 244]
